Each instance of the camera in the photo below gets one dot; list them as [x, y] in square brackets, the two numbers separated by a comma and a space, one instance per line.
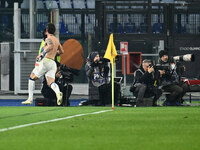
[68, 73]
[186, 58]
[183, 58]
[100, 62]
[157, 67]
[103, 65]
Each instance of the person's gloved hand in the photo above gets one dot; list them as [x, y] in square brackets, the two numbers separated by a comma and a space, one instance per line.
[94, 64]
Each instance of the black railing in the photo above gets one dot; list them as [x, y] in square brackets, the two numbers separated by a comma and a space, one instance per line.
[123, 18]
[133, 18]
[73, 23]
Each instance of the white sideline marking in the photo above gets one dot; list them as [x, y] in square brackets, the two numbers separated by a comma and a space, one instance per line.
[53, 120]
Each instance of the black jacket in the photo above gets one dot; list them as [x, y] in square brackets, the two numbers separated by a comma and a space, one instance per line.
[140, 76]
[170, 75]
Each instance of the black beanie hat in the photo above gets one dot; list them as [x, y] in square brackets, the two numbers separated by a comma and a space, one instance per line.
[162, 53]
[92, 56]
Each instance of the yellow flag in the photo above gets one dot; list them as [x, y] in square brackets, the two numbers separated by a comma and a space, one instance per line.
[111, 52]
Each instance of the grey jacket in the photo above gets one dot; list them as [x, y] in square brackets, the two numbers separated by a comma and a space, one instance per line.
[95, 75]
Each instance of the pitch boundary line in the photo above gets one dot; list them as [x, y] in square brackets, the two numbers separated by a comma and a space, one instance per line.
[27, 114]
[53, 120]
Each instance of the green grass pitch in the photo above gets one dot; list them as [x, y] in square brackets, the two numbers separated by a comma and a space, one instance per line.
[145, 128]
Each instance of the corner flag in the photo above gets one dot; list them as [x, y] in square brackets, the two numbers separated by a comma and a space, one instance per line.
[110, 54]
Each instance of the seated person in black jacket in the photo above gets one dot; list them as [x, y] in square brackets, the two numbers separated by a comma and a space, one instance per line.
[143, 84]
[170, 82]
[65, 88]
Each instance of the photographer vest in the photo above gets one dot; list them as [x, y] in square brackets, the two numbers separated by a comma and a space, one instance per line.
[134, 79]
[98, 77]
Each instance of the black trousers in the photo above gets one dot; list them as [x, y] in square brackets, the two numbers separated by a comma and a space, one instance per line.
[177, 91]
[105, 94]
[47, 92]
[67, 90]
[142, 91]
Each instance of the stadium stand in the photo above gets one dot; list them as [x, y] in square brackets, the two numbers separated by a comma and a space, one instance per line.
[90, 4]
[142, 28]
[51, 4]
[65, 4]
[129, 27]
[63, 29]
[5, 20]
[41, 26]
[25, 4]
[41, 5]
[126, 23]
[80, 4]
[158, 28]
[182, 30]
[119, 28]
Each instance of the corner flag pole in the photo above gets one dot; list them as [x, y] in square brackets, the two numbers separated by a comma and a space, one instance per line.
[113, 85]
[110, 54]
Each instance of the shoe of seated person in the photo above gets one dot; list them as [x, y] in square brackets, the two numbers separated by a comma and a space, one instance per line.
[179, 104]
[83, 103]
[166, 103]
[139, 104]
[28, 102]
[154, 105]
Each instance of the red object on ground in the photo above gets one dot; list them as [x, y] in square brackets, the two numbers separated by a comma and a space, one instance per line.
[192, 82]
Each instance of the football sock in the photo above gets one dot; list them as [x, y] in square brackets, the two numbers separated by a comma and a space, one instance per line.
[55, 87]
